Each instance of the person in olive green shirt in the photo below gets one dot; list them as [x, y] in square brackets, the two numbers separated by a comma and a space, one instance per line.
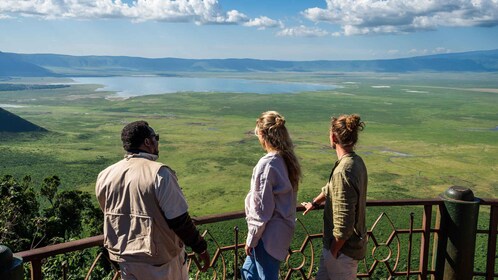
[344, 237]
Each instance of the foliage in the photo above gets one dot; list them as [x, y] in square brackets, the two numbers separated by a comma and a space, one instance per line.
[425, 132]
[75, 265]
[19, 218]
[14, 87]
[70, 215]
[49, 188]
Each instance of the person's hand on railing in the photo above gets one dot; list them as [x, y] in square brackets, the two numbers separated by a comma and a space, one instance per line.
[314, 204]
[205, 260]
[308, 205]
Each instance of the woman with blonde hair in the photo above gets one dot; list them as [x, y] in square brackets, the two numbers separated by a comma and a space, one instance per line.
[344, 229]
[270, 205]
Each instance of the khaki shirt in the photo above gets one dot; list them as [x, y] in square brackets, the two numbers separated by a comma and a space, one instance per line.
[345, 205]
[136, 194]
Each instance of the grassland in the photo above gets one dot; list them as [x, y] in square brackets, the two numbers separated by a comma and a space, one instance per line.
[424, 133]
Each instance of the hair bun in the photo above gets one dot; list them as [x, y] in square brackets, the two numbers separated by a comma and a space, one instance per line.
[279, 121]
[353, 122]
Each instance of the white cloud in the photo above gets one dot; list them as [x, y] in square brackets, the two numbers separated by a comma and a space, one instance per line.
[403, 16]
[198, 11]
[302, 31]
[416, 52]
[263, 23]
[235, 16]
[439, 50]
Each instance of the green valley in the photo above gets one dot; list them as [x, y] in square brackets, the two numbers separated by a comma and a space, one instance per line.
[424, 132]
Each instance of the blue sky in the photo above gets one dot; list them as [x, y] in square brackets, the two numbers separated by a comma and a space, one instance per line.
[266, 29]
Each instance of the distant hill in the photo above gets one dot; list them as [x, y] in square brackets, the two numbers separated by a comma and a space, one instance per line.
[13, 123]
[12, 65]
[477, 61]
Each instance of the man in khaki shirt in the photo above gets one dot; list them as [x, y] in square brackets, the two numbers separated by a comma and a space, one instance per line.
[146, 222]
[344, 237]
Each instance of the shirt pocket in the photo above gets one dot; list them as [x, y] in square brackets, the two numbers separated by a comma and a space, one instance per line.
[128, 234]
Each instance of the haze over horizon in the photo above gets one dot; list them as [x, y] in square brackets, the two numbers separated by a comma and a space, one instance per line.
[279, 29]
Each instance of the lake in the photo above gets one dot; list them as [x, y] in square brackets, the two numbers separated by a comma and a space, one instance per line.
[145, 85]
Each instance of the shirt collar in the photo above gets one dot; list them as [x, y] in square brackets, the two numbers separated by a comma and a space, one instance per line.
[141, 154]
[350, 154]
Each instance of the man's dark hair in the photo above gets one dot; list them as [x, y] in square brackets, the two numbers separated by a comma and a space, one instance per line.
[134, 134]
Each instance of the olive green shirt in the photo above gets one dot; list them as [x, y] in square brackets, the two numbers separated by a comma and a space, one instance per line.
[345, 204]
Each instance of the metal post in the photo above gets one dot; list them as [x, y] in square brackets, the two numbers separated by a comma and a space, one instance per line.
[457, 235]
[425, 241]
[236, 254]
[410, 238]
[493, 225]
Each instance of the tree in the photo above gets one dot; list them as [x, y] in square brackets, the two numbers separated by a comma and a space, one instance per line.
[49, 187]
[18, 218]
[25, 225]
[26, 222]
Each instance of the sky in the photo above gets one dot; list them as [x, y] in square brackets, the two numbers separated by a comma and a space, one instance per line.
[260, 29]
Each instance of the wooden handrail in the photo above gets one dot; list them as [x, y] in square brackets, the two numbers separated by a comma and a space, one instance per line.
[61, 248]
[50, 250]
[36, 256]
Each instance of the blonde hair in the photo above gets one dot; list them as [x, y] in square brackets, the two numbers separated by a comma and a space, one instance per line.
[346, 128]
[271, 126]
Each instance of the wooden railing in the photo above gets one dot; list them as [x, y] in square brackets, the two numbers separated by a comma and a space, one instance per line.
[399, 242]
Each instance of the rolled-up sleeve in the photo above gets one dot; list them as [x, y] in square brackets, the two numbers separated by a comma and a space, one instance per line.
[260, 203]
[325, 190]
[344, 205]
[169, 194]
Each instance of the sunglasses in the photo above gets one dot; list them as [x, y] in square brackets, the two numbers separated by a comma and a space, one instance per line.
[155, 136]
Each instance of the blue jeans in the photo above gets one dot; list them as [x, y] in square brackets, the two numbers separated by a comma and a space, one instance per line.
[260, 265]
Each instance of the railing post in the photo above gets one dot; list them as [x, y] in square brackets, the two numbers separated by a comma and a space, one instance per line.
[493, 224]
[425, 240]
[410, 239]
[36, 271]
[236, 254]
[457, 235]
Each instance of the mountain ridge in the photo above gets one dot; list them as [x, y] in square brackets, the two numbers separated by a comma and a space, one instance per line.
[69, 65]
[10, 122]
[11, 65]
